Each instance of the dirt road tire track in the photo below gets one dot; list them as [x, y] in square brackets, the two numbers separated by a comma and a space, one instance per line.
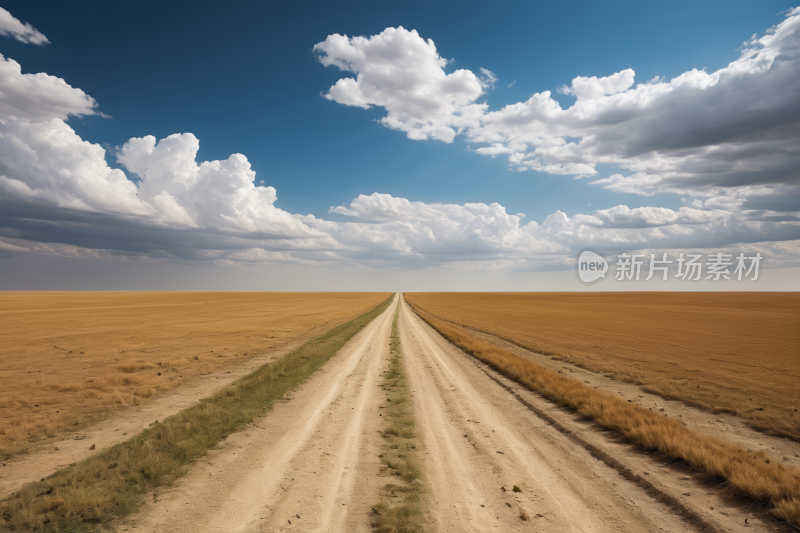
[478, 439]
[310, 464]
[674, 491]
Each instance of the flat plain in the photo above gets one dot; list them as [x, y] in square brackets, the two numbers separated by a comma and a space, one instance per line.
[329, 454]
[726, 352]
[488, 461]
[71, 358]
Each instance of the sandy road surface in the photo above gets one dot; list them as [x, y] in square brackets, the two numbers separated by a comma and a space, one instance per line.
[311, 463]
[481, 432]
[479, 439]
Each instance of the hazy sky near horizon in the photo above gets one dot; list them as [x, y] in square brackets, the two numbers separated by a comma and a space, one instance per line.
[193, 145]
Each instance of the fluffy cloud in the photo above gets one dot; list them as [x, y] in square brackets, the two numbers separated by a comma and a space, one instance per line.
[701, 133]
[622, 216]
[12, 27]
[622, 228]
[54, 186]
[438, 232]
[39, 97]
[403, 73]
[477, 232]
[589, 88]
[214, 195]
[46, 166]
[58, 196]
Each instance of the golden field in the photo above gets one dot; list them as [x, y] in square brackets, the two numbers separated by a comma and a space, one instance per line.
[734, 352]
[71, 358]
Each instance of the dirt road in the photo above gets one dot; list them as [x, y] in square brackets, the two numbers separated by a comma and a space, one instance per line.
[479, 439]
[311, 463]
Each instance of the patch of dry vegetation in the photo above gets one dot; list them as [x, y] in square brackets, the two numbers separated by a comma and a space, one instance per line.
[90, 494]
[750, 474]
[398, 511]
[725, 352]
[71, 358]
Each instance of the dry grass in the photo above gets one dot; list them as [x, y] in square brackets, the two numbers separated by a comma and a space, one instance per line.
[398, 511]
[87, 496]
[725, 352]
[750, 474]
[71, 358]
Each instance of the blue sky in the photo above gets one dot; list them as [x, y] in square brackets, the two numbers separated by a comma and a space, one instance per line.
[244, 78]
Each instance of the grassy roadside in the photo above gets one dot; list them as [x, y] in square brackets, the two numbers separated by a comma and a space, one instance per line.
[749, 474]
[728, 343]
[88, 495]
[398, 511]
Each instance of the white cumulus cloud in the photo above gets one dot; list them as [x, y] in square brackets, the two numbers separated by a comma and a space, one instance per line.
[37, 97]
[700, 133]
[48, 173]
[12, 27]
[588, 88]
[58, 195]
[218, 195]
[403, 73]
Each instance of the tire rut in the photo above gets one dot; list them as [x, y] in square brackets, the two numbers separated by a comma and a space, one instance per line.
[573, 476]
[309, 464]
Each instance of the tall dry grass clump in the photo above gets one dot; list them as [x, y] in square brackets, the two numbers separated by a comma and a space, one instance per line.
[749, 474]
[112, 483]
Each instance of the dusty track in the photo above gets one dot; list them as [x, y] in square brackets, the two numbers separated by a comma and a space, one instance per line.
[479, 439]
[483, 431]
[311, 463]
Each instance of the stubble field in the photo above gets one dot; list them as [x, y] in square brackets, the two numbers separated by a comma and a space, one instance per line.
[727, 352]
[71, 358]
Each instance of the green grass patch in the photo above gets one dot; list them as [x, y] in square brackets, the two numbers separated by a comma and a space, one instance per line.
[398, 510]
[89, 495]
